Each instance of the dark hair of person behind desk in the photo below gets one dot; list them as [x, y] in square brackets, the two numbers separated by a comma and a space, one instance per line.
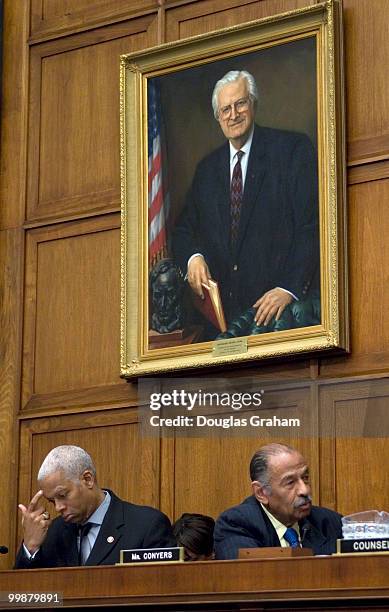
[195, 533]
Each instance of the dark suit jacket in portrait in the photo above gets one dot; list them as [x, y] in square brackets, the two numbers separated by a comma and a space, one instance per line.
[278, 239]
[247, 526]
[129, 525]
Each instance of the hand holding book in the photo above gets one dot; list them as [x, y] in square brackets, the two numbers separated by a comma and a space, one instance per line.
[211, 306]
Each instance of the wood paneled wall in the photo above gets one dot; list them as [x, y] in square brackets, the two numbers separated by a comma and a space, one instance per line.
[59, 267]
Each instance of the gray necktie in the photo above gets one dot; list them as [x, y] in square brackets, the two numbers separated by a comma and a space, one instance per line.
[83, 551]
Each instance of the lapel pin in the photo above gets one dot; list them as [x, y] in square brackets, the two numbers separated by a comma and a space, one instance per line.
[110, 539]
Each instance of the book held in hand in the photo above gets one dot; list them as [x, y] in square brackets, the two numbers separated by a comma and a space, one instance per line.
[211, 306]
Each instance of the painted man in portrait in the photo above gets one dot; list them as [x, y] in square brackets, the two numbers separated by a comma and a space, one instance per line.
[250, 221]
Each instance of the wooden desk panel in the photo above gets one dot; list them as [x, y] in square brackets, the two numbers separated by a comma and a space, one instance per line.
[292, 584]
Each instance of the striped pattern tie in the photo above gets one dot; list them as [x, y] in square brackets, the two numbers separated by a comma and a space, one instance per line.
[236, 197]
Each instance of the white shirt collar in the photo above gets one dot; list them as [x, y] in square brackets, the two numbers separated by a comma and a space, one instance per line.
[246, 147]
[278, 526]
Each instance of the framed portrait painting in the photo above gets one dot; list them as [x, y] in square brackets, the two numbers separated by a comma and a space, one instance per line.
[233, 196]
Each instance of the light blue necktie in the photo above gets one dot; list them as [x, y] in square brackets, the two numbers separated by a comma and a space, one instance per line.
[291, 537]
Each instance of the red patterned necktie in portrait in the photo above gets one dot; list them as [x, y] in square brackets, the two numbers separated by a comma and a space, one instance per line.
[236, 197]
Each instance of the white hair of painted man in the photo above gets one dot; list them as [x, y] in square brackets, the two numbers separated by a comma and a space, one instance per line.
[231, 77]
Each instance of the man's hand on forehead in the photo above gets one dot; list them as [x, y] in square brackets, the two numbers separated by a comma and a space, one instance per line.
[35, 522]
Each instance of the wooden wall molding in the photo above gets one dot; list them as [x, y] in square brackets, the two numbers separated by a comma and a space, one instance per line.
[368, 150]
[195, 18]
[12, 210]
[68, 266]
[73, 158]
[354, 430]
[65, 217]
[103, 397]
[14, 109]
[11, 265]
[54, 18]
[365, 173]
[368, 225]
[368, 363]
[367, 86]
[335, 397]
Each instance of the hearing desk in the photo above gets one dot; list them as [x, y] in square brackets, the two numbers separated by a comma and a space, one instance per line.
[347, 582]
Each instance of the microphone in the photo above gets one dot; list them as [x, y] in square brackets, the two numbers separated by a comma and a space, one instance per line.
[305, 528]
[3, 550]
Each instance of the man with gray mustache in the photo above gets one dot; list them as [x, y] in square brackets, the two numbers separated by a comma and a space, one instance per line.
[280, 511]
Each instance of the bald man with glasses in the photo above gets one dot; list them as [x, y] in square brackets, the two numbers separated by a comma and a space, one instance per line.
[251, 217]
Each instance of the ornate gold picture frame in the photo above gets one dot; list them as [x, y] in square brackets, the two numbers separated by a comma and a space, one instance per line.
[291, 218]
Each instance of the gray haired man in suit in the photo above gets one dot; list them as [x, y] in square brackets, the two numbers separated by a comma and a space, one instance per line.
[94, 524]
[280, 511]
[251, 217]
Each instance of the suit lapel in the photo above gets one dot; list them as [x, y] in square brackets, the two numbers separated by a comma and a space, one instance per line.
[109, 535]
[256, 170]
[223, 200]
[69, 548]
[269, 533]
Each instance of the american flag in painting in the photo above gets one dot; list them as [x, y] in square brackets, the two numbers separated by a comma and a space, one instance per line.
[158, 195]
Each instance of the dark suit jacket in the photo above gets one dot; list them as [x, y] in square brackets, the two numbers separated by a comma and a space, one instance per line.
[278, 241]
[247, 526]
[130, 525]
